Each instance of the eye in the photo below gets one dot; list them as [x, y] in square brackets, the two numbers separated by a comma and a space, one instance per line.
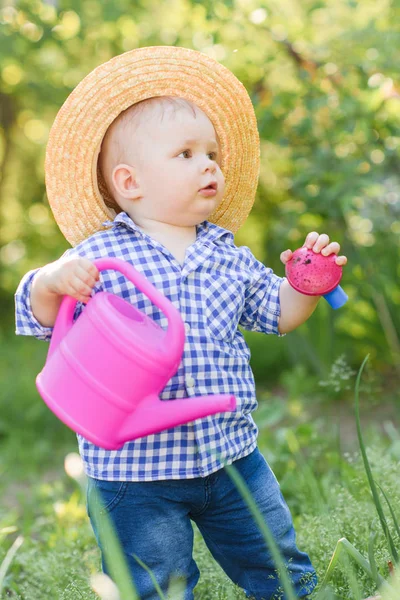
[184, 152]
[213, 155]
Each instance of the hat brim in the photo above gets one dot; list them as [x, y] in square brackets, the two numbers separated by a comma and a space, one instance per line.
[78, 130]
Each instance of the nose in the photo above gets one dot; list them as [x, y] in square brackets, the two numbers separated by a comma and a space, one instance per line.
[210, 165]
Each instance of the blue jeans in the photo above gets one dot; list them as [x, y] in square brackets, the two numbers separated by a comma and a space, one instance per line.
[153, 520]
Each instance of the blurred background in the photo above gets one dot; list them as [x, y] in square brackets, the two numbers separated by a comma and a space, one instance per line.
[323, 77]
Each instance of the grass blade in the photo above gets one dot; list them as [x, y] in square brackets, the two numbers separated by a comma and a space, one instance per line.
[276, 555]
[9, 558]
[352, 579]
[368, 471]
[344, 545]
[396, 525]
[154, 580]
[371, 556]
[114, 556]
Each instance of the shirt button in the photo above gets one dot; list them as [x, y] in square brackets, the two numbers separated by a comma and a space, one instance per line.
[189, 382]
[187, 327]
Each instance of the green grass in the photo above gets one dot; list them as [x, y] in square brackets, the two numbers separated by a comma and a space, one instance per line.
[48, 550]
[59, 553]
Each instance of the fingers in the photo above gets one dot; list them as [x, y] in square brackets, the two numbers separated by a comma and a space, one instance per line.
[85, 265]
[286, 256]
[332, 248]
[81, 290]
[341, 261]
[87, 276]
[83, 280]
[77, 277]
[311, 239]
[315, 241]
[320, 243]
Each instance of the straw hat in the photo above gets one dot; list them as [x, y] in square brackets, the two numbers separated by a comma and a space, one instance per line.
[77, 194]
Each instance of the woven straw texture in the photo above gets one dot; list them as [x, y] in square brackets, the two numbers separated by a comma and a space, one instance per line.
[76, 195]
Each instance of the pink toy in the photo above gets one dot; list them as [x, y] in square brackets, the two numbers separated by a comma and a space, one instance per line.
[314, 274]
[103, 373]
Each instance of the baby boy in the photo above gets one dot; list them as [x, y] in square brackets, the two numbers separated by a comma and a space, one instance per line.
[162, 162]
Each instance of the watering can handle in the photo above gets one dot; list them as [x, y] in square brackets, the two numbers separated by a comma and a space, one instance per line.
[175, 334]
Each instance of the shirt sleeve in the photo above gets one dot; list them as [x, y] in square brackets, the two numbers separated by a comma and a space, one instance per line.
[262, 306]
[25, 321]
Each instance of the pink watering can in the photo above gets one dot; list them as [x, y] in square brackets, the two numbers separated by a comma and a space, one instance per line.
[103, 374]
[314, 274]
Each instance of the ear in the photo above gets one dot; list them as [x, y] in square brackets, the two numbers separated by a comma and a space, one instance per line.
[125, 181]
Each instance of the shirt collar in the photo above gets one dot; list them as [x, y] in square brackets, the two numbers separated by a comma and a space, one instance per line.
[206, 230]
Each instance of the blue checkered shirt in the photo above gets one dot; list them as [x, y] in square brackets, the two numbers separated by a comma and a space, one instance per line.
[218, 287]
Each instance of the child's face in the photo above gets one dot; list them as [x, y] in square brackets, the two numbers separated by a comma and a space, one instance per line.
[165, 181]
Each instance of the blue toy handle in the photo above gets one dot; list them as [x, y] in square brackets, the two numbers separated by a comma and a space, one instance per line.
[337, 297]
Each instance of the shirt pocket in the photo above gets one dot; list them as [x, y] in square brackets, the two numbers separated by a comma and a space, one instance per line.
[224, 299]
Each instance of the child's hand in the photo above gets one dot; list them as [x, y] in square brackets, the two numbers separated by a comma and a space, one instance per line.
[318, 243]
[75, 277]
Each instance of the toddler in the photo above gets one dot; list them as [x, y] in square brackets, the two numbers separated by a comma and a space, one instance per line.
[169, 172]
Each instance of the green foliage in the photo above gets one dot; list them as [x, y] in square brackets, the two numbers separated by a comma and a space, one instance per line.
[59, 552]
[351, 513]
[322, 78]
[371, 481]
[30, 433]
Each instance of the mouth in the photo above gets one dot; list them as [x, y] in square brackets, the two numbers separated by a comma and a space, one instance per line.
[211, 186]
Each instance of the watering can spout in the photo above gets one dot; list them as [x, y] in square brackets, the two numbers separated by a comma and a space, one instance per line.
[154, 415]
